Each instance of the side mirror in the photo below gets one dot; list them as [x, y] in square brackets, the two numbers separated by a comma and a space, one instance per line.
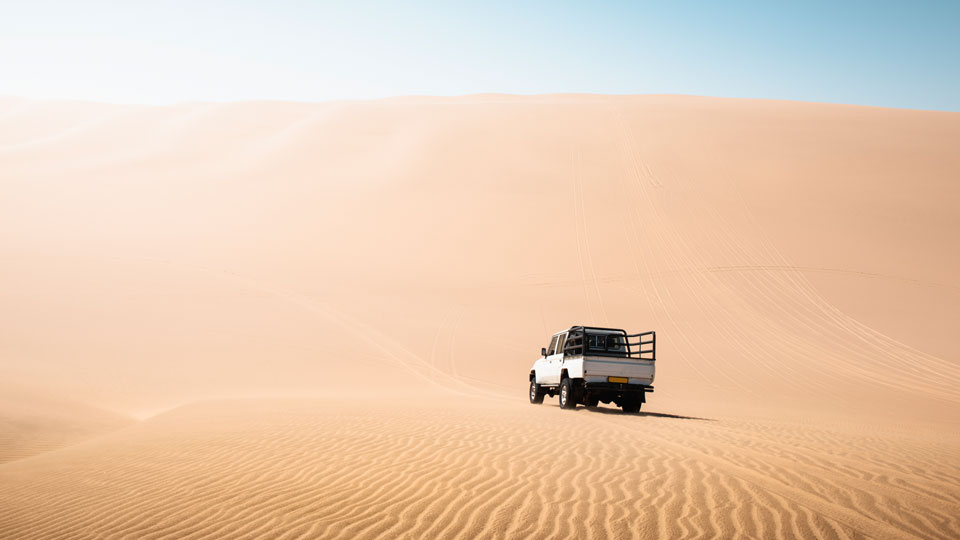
[543, 351]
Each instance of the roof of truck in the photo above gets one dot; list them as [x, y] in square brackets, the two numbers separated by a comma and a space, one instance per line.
[596, 329]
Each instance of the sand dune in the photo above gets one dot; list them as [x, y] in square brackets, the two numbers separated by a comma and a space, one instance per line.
[397, 264]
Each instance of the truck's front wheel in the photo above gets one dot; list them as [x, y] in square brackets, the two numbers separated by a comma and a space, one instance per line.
[536, 394]
[567, 399]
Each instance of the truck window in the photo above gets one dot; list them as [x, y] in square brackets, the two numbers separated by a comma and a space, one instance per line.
[560, 342]
[553, 346]
[604, 342]
[574, 344]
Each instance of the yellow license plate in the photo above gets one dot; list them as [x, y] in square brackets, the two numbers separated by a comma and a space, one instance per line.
[618, 379]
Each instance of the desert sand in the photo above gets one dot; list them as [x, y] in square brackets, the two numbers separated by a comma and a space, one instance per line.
[294, 320]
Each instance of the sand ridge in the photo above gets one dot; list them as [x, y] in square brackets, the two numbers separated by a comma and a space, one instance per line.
[33, 422]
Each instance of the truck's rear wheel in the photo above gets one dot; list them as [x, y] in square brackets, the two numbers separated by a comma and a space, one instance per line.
[592, 401]
[567, 399]
[536, 393]
[631, 406]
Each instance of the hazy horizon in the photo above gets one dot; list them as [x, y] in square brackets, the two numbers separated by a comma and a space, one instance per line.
[888, 55]
[447, 96]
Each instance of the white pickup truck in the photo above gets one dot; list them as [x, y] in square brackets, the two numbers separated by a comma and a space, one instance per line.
[591, 365]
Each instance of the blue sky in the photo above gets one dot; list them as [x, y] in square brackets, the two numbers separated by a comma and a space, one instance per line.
[894, 54]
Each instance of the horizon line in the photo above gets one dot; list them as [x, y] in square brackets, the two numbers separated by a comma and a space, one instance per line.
[10, 97]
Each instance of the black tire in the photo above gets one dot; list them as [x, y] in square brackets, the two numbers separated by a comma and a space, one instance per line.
[536, 393]
[592, 401]
[567, 398]
[631, 406]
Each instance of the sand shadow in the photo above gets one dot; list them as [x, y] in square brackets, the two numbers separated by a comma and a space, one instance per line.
[618, 412]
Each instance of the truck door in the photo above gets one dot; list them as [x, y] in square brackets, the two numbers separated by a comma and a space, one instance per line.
[554, 359]
[561, 341]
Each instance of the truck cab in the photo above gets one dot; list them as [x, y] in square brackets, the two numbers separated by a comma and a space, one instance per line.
[589, 365]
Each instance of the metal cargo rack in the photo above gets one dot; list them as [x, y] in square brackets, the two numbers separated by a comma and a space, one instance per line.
[578, 343]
